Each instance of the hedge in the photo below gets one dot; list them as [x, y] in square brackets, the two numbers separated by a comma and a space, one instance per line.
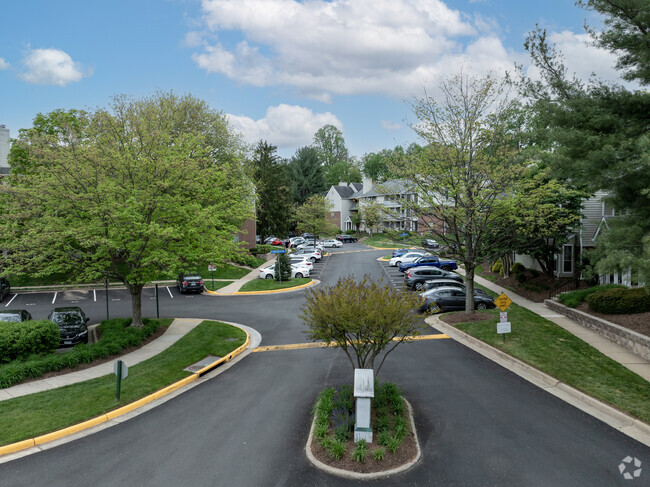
[116, 335]
[620, 301]
[574, 298]
[20, 340]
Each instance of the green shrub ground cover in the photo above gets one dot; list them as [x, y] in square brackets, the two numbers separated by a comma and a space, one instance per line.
[20, 340]
[574, 298]
[37, 414]
[272, 284]
[620, 301]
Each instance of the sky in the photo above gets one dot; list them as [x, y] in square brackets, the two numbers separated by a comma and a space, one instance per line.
[279, 69]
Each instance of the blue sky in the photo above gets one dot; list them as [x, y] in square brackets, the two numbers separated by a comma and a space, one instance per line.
[280, 69]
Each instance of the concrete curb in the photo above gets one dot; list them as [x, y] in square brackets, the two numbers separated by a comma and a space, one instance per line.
[609, 415]
[365, 476]
[111, 415]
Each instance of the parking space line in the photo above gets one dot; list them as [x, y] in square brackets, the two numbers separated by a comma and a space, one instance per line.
[94, 294]
[169, 291]
[54, 298]
[11, 300]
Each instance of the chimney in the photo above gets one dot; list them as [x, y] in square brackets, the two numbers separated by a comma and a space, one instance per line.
[367, 184]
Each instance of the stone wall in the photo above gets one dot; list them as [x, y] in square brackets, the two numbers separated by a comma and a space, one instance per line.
[628, 339]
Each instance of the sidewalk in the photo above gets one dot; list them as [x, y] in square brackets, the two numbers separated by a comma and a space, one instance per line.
[179, 328]
[236, 285]
[599, 342]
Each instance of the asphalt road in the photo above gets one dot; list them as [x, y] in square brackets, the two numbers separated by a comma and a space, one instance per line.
[478, 423]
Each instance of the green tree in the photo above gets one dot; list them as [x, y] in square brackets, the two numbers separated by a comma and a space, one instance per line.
[373, 215]
[598, 132]
[376, 165]
[343, 171]
[274, 204]
[331, 145]
[282, 267]
[306, 174]
[150, 185]
[314, 216]
[470, 162]
[365, 319]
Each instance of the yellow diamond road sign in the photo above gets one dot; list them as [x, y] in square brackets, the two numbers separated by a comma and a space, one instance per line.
[503, 302]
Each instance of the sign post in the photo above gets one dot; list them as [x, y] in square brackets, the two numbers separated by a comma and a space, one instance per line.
[503, 327]
[122, 372]
[212, 268]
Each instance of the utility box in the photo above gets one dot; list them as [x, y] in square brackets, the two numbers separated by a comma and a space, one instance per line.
[364, 391]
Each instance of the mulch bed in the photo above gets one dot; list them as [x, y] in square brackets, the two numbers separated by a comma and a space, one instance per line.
[406, 452]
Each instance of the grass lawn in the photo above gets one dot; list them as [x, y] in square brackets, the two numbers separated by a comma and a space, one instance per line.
[217, 284]
[382, 241]
[557, 352]
[272, 284]
[33, 415]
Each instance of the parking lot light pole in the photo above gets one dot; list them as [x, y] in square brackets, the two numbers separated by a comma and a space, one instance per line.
[157, 307]
[106, 283]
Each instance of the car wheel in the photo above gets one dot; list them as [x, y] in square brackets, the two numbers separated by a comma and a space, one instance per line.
[419, 286]
[398, 263]
[268, 276]
[313, 260]
[481, 306]
[299, 275]
[434, 308]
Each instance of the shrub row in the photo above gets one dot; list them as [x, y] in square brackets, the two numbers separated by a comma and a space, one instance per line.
[574, 298]
[20, 340]
[116, 335]
[620, 301]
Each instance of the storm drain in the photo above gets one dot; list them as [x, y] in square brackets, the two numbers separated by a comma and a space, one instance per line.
[209, 360]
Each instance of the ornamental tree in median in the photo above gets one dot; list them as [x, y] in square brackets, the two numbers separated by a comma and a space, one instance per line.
[124, 194]
[365, 319]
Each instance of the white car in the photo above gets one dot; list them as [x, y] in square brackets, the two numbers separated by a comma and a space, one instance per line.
[297, 271]
[309, 253]
[408, 257]
[310, 246]
[302, 260]
[332, 242]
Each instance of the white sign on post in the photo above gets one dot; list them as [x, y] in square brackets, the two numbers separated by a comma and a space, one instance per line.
[504, 327]
[503, 316]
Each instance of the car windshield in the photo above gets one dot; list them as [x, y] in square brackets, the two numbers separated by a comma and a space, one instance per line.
[67, 318]
[192, 278]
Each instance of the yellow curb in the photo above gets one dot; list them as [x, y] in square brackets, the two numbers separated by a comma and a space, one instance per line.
[14, 447]
[39, 440]
[55, 435]
[313, 282]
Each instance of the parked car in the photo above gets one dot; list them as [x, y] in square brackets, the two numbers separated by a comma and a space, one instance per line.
[310, 245]
[399, 252]
[332, 242]
[416, 277]
[304, 260]
[297, 271]
[72, 323]
[309, 253]
[408, 257]
[442, 282]
[268, 240]
[345, 238]
[450, 299]
[15, 315]
[189, 282]
[295, 241]
[5, 288]
[429, 261]
[430, 244]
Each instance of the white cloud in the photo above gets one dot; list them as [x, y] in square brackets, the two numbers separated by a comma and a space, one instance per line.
[340, 46]
[388, 125]
[286, 126]
[4, 64]
[51, 67]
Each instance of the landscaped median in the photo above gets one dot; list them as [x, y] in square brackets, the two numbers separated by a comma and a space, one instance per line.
[29, 420]
[558, 353]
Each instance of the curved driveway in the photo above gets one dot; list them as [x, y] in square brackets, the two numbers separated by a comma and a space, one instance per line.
[478, 423]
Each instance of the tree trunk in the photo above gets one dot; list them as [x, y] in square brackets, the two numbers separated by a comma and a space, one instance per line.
[469, 287]
[136, 304]
[506, 264]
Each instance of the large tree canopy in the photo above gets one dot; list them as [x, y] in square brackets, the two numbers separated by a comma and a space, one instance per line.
[124, 193]
[306, 174]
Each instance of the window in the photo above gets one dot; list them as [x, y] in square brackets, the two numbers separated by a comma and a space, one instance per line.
[567, 259]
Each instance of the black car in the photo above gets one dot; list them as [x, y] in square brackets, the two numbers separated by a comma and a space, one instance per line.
[72, 324]
[15, 315]
[5, 288]
[189, 282]
[416, 277]
[430, 244]
[346, 238]
[452, 299]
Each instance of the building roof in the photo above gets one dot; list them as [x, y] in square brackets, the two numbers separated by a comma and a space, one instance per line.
[393, 186]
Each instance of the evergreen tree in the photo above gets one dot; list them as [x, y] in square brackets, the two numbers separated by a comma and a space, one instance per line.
[306, 174]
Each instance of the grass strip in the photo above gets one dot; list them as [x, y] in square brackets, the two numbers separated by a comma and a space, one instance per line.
[272, 284]
[217, 284]
[37, 414]
[560, 354]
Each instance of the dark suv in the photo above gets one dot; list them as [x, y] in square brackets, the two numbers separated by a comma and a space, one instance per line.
[15, 315]
[72, 324]
[5, 288]
[189, 282]
[416, 277]
[345, 238]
